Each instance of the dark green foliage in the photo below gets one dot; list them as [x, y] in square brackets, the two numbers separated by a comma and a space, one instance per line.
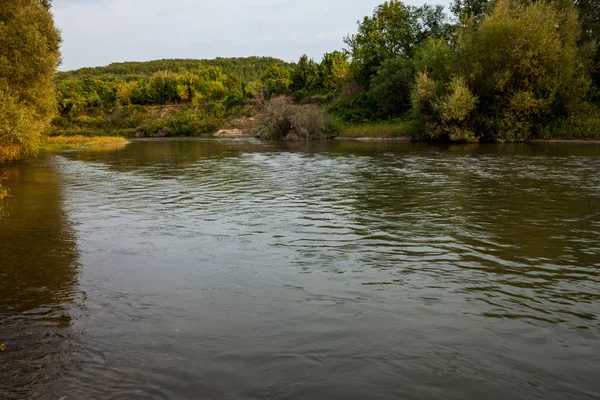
[475, 9]
[391, 87]
[394, 31]
[305, 76]
[354, 109]
[509, 78]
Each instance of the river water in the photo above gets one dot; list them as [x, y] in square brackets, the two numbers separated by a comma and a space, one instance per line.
[234, 269]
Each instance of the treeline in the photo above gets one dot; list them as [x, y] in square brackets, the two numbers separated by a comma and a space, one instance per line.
[246, 68]
[504, 70]
[120, 98]
[499, 70]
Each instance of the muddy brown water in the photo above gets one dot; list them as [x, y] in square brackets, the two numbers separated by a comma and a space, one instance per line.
[234, 269]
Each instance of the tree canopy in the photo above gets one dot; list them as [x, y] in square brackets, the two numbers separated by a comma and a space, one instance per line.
[29, 56]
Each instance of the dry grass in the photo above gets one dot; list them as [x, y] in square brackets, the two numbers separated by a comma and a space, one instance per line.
[380, 130]
[58, 143]
[286, 120]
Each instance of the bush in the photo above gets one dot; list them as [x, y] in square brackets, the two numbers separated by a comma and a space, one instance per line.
[288, 121]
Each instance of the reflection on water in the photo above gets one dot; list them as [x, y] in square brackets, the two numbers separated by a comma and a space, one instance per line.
[38, 275]
[238, 269]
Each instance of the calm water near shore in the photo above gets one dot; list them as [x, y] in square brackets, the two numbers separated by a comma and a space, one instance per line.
[234, 269]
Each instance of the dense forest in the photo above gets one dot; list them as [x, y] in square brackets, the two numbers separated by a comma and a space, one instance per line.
[500, 70]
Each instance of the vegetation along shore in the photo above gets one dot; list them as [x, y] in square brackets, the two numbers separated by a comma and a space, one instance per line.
[495, 71]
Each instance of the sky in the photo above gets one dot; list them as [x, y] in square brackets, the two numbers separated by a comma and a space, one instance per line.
[99, 32]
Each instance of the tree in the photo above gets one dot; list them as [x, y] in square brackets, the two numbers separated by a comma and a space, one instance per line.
[508, 77]
[391, 87]
[390, 33]
[334, 70]
[475, 9]
[305, 75]
[29, 56]
[589, 15]
[276, 80]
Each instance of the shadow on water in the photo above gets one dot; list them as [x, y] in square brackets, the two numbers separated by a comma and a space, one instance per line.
[38, 280]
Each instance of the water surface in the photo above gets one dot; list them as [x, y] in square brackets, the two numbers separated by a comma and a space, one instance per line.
[232, 269]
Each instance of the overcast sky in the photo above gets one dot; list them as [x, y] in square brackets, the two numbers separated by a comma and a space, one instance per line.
[98, 32]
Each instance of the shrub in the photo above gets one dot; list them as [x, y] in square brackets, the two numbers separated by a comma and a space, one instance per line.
[287, 121]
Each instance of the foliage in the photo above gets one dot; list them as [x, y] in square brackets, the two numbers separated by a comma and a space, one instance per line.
[246, 69]
[334, 71]
[394, 31]
[305, 76]
[388, 34]
[29, 55]
[507, 78]
[276, 80]
[471, 9]
[391, 87]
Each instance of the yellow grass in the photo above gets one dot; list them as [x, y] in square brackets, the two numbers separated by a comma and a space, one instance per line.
[58, 143]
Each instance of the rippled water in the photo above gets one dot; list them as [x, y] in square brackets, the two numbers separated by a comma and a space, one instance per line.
[235, 269]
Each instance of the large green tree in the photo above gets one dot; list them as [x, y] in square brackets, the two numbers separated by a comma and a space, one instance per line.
[29, 56]
[509, 77]
[391, 32]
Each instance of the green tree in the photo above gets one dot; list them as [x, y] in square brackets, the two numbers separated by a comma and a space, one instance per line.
[475, 9]
[29, 56]
[305, 75]
[390, 33]
[589, 15]
[508, 78]
[391, 87]
[334, 70]
[276, 80]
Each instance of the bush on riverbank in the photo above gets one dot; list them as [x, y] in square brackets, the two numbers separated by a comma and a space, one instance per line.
[288, 121]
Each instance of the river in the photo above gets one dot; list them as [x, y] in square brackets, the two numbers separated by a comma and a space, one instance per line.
[235, 269]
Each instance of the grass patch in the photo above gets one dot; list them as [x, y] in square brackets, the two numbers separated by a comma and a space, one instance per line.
[380, 130]
[58, 143]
